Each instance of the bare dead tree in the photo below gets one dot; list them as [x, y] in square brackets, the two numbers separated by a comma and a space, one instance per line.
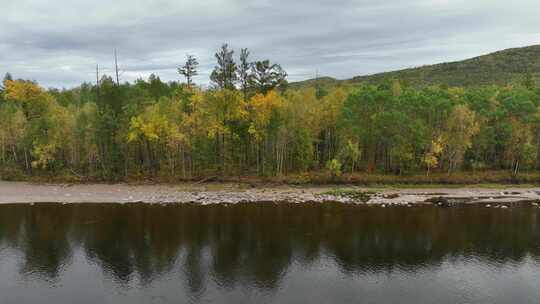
[116, 68]
[97, 83]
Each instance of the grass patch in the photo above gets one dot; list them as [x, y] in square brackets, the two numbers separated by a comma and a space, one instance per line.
[480, 179]
[357, 195]
[486, 179]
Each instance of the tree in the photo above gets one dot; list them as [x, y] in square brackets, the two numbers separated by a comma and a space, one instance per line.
[262, 109]
[111, 131]
[263, 112]
[221, 110]
[159, 124]
[332, 106]
[33, 99]
[351, 154]
[334, 168]
[189, 69]
[156, 87]
[85, 149]
[300, 127]
[528, 81]
[46, 122]
[109, 126]
[357, 120]
[116, 69]
[520, 149]
[459, 129]
[244, 72]
[431, 157]
[266, 76]
[7, 78]
[12, 130]
[224, 74]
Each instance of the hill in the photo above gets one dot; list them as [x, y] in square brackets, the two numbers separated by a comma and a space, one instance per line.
[500, 68]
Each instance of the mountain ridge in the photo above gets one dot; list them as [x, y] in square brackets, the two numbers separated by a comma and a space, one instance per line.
[498, 68]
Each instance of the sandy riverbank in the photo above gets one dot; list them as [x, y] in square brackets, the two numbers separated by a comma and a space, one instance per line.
[21, 192]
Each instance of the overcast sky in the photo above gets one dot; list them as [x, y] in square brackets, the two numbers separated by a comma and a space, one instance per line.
[58, 43]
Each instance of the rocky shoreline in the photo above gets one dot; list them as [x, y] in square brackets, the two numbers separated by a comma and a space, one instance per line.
[20, 192]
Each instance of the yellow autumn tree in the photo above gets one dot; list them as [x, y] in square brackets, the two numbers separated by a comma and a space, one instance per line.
[12, 129]
[50, 135]
[85, 145]
[159, 124]
[332, 105]
[264, 110]
[520, 151]
[47, 121]
[23, 91]
[302, 123]
[222, 110]
[261, 109]
[331, 108]
[431, 157]
[459, 129]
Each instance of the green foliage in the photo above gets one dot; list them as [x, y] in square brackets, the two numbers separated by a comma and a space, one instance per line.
[351, 154]
[500, 68]
[334, 168]
[266, 76]
[189, 69]
[152, 128]
[224, 74]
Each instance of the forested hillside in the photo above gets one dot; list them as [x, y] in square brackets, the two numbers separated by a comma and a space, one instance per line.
[499, 68]
[249, 123]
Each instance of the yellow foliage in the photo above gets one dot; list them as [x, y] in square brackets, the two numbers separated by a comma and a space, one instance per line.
[431, 158]
[332, 105]
[12, 126]
[520, 136]
[49, 124]
[158, 122]
[262, 107]
[219, 109]
[22, 91]
[303, 110]
[44, 155]
[34, 100]
[460, 127]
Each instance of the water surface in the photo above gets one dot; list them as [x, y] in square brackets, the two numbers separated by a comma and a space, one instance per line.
[267, 253]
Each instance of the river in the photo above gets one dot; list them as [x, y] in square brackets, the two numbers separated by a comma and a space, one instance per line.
[267, 253]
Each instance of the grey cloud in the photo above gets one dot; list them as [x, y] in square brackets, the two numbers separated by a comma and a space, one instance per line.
[58, 43]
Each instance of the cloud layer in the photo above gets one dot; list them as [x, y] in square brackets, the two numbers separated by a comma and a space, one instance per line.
[58, 43]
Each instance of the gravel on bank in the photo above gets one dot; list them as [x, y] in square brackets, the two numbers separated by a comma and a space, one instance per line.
[214, 193]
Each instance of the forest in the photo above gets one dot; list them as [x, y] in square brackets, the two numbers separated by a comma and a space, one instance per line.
[250, 122]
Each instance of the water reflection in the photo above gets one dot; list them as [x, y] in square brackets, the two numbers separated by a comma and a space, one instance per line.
[257, 245]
